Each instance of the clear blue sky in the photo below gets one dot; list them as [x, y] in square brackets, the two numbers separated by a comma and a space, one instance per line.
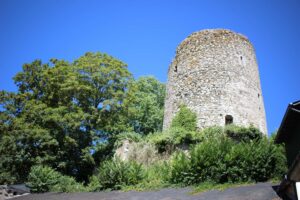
[144, 34]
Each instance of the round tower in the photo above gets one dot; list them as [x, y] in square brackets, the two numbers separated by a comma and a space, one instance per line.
[215, 74]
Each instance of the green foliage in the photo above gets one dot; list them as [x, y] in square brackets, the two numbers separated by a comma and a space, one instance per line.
[115, 173]
[214, 161]
[68, 184]
[181, 170]
[144, 105]
[45, 179]
[182, 136]
[158, 172]
[257, 161]
[42, 179]
[208, 160]
[103, 149]
[94, 184]
[163, 141]
[280, 162]
[60, 110]
[185, 119]
[156, 177]
[175, 137]
[63, 111]
[221, 160]
[69, 116]
[244, 134]
[131, 136]
[7, 178]
[212, 132]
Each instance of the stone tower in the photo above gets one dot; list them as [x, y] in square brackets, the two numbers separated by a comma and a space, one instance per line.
[215, 74]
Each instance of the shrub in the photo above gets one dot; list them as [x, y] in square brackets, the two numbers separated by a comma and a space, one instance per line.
[207, 160]
[7, 177]
[181, 170]
[185, 119]
[212, 132]
[42, 179]
[222, 160]
[94, 184]
[116, 173]
[46, 179]
[163, 141]
[257, 160]
[156, 177]
[68, 184]
[245, 134]
[173, 138]
[183, 136]
[159, 171]
[280, 168]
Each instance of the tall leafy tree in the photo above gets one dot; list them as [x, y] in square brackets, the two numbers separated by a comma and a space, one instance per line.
[103, 82]
[58, 113]
[145, 105]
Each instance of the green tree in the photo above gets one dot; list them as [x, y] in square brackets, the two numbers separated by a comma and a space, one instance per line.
[60, 111]
[185, 119]
[103, 81]
[144, 105]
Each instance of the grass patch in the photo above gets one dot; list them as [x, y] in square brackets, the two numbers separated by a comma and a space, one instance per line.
[196, 189]
[206, 186]
[147, 186]
[275, 180]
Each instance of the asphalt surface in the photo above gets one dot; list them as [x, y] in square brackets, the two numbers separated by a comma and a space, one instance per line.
[261, 191]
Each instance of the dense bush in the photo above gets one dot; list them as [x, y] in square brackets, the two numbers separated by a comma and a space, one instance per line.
[42, 179]
[45, 179]
[180, 172]
[222, 160]
[239, 133]
[182, 132]
[7, 177]
[68, 184]
[216, 155]
[163, 141]
[115, 173]
[94, 184]
[212, 132]
[169, 140]
[156, 176]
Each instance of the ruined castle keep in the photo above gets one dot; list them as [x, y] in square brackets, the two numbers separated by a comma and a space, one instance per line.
[215, 74]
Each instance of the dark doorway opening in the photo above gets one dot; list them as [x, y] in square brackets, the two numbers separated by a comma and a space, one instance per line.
[228, 119]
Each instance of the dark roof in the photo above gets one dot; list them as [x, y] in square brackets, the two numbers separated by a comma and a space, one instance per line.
[290, 123]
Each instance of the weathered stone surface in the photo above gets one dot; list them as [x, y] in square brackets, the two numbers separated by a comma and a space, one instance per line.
[215, 74]
[123, 151]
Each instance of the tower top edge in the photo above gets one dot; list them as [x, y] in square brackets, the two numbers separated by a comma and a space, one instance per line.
[213, 33]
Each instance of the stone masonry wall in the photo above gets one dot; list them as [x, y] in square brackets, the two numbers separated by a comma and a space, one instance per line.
[215, 74]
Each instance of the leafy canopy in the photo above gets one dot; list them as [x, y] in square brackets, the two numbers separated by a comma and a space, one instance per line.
[60, 113]
[185, 119]
[145, 105]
